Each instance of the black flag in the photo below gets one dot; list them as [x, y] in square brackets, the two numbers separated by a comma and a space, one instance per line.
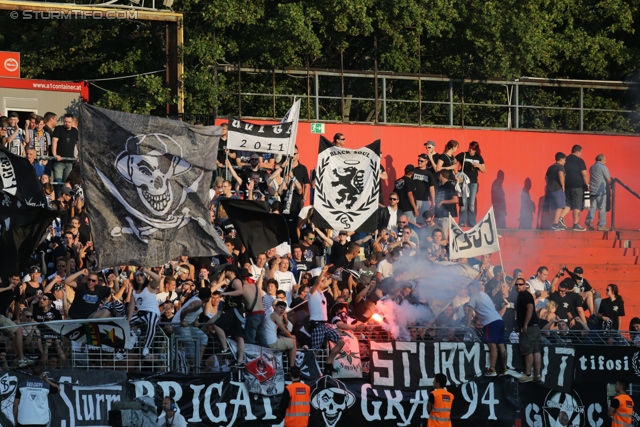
[258, 229]
[146, 186]
[24, 215]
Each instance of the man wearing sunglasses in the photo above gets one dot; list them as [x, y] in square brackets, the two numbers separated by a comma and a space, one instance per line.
[388, 215]
[89, 295]
[44, 311]
[529, 341]
[425, 183]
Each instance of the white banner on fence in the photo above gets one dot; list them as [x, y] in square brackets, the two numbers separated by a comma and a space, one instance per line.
[481, 239]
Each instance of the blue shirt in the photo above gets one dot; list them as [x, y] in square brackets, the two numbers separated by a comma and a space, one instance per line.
[599, 174]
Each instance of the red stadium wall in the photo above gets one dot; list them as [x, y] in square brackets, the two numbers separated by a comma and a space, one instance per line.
[521, 155]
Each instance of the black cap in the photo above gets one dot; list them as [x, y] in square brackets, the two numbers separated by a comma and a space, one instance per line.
[34, 269]
[578, 270]
[244, 273]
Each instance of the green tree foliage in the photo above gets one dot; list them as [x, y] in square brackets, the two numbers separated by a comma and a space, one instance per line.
[578, 39]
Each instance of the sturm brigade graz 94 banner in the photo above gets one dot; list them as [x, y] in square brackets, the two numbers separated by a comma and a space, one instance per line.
[146, 185]
[347, 187]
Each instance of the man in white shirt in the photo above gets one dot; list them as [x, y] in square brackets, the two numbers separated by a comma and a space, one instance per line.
[539, 286]
[286, 279]
[385, 267]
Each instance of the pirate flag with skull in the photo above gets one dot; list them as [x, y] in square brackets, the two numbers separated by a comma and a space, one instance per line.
[146, 185]
[347, 187]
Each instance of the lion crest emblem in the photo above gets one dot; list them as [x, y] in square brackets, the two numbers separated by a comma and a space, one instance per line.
[351, 183]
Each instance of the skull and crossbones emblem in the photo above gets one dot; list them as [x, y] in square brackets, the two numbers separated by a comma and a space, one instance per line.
[150, 163]
[331, 398]
[151, 171]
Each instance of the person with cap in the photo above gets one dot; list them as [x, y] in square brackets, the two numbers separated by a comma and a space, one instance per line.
[260, 183]
[432, 156]
[439, 403]
[277, 335]
[321, 330]
[425, 185]
[44, 310]
[230, 321]
[471, 163]
[569, 304]
[185, 324]
[621, 408]
[295, 404]
[492, 326]
[10, 329]
[405, 188]
[32, 287]
[579, 285]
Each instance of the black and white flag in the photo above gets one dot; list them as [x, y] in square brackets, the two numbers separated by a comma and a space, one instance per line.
[480, 240]
[347, 187]
[275, 139]
[146, 184]
[24, 215]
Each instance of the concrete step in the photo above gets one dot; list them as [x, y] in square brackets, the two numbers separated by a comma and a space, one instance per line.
[569, 241]
[559, 251]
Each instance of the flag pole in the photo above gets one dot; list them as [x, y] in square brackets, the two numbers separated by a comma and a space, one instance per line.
[493, 224]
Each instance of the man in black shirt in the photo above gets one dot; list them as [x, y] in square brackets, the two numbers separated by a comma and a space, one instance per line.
[89, 295]
[529, 325]
[569, 305]
[554, 190]
[405, 188]
[63, 144]
[425, 183]
[577, 180]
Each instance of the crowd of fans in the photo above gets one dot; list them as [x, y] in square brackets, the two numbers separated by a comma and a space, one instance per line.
[293, 295]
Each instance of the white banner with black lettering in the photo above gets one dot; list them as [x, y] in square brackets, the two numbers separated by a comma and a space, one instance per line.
[274, 139]
[347, 187]
[480, 240]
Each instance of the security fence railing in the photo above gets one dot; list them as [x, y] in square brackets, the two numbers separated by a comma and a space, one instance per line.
[168, 352]
[425, 100]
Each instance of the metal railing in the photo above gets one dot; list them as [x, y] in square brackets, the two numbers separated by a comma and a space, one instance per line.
[614, 183]
[165, 351]
[435, 100]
